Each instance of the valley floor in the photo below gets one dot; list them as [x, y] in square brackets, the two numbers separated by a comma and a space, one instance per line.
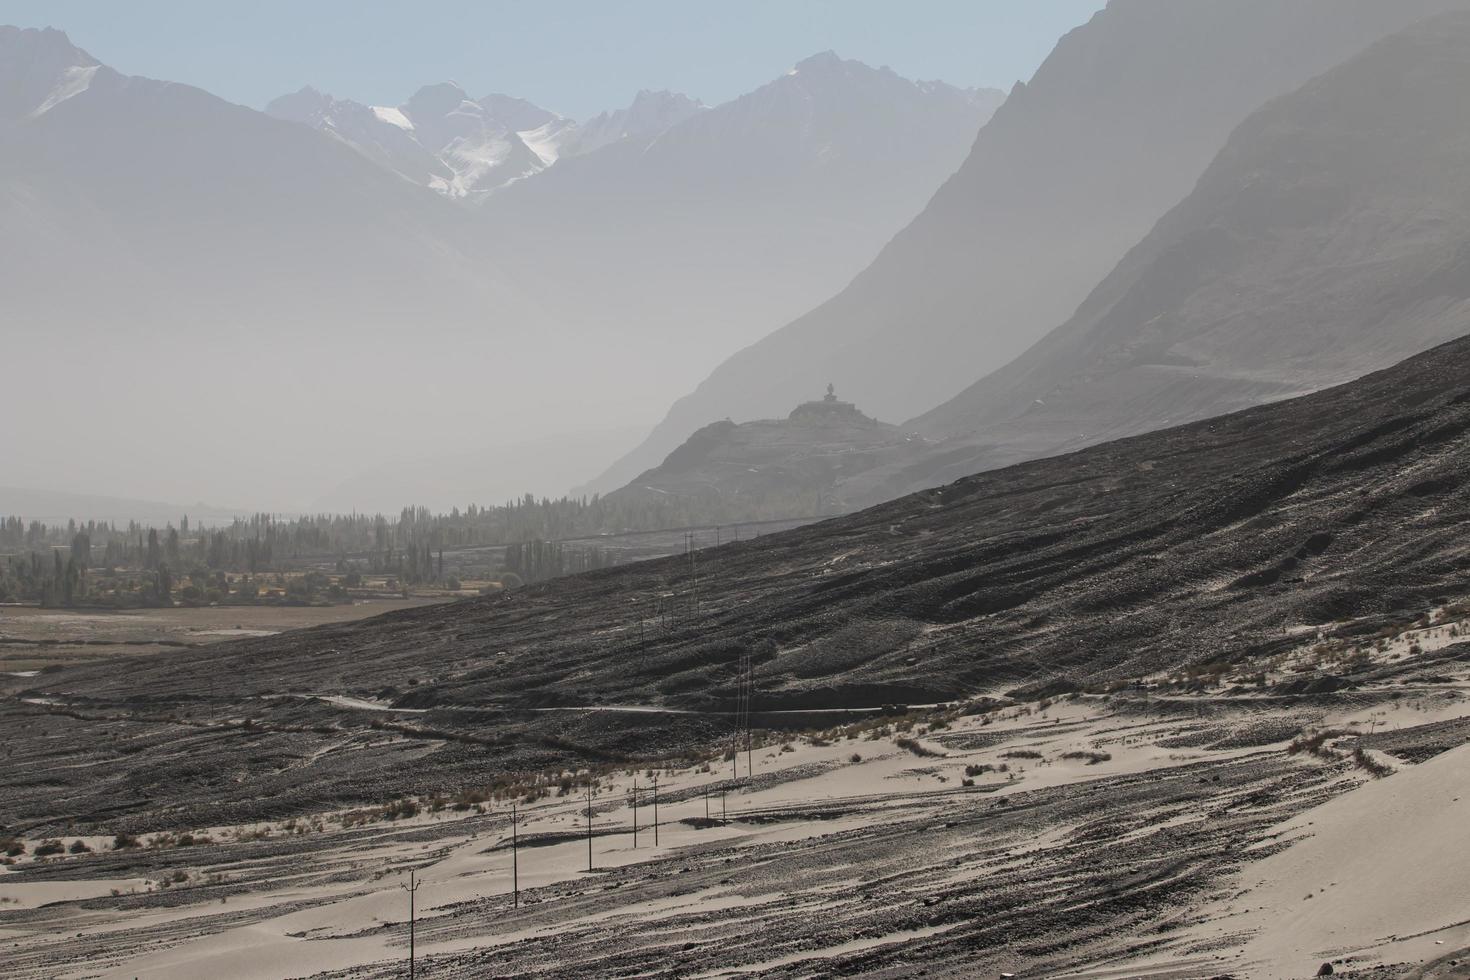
[32, 638]
[1183, 837]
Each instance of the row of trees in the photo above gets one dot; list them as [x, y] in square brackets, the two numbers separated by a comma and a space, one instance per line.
[537, 561]
[63, 564]
[262, 542]
[65, 580]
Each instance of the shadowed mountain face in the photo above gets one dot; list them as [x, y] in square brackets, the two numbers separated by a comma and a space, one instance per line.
[1114, 129]
[1192, 544]
[1330, 237]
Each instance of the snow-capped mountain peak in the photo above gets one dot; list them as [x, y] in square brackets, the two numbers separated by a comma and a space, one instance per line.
[39, 69]
[468, 148]
[439, 138]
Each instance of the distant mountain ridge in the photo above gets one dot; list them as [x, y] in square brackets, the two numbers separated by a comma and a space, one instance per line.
[1112, 131]
[467, 148]
[185, 252]
[190, 254]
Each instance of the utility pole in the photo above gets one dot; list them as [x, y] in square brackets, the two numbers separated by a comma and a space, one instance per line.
[515, 860]
[589, 822]
[749, 707]
[411, 887]
[706, 802]
[635, 811]
[655, 809]
[722, 808]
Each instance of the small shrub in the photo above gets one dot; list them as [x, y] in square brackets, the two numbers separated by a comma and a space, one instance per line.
[403, 809]
[49, 847]
[124, 841]
[855, 758]
[1091, 758]
[79, 847]
[977, 770]
[1021, 754]
[913, 746]
[1315, 743]
[1370, 765]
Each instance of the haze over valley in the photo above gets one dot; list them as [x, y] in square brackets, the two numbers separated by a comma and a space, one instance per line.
[788, 490]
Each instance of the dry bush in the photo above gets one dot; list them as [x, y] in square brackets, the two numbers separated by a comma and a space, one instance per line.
[1370, 765]
[1315, 743]
[913, 746]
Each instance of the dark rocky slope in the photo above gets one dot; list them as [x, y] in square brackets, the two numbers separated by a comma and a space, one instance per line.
[1198, 543]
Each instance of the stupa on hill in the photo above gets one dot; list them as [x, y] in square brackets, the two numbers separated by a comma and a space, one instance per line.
[830, 411]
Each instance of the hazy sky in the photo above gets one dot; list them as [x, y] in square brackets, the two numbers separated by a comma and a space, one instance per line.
[577, 57]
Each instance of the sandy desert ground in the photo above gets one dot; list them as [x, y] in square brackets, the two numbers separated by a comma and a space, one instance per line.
[1199, 833]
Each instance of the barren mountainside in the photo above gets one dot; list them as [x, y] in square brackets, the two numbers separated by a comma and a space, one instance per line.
[1196, 544]
[1328, 239]
[1113, 130]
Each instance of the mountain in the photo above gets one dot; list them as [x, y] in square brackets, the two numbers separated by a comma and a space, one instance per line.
[229, 253]
[191, 256]
[646, 118]
[673, 249]
[775, 467]
[440, 138]
[467, 148]
[1075, 168]
[1329, 238]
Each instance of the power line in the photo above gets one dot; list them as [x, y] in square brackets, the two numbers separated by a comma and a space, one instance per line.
[411, 888]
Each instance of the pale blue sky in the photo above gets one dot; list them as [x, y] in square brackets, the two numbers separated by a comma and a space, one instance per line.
[574, 56]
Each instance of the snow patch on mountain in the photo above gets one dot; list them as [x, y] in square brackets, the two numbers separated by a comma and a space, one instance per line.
[393, 116]
[550, 141]
[74, 82]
